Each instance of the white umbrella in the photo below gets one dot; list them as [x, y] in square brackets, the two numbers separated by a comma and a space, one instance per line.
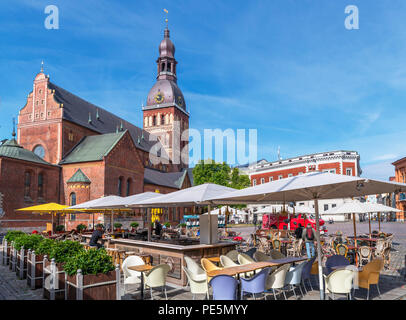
[304, 209]
[99, 203]
[196, 195]
[315, 185]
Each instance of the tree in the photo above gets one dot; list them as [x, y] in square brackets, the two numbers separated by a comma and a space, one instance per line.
[210, 171]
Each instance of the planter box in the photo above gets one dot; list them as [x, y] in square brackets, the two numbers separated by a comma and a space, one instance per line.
[21, 265]
[103, 286]
[5, 252]
[13, 258]
[35, 269]
[53, 280]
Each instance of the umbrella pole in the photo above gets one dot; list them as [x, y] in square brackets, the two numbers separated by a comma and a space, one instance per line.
[379, 221]
[370, 234]
[149, 223]
[355, 237]
[52, 223]
[321, 280]
[112, 221]
[209, 218]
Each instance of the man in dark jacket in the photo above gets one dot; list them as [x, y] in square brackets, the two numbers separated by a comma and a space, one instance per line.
[96, 235]
[299, 231]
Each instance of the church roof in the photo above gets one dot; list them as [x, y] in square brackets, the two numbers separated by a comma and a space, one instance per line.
[167, 179]
[79, 176]
[88, 115]
[11, 149]
[93, 148]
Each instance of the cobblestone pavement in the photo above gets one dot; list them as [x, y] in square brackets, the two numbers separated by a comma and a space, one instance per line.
[392, 283]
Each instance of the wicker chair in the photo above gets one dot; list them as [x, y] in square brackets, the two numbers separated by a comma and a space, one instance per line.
[296, 248]
[370, 275]
[263, 245]
[276, 244]
[342, 250]
[364, 255]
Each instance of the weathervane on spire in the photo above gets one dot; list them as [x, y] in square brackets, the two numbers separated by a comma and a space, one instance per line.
[14, 128]
[166, 19]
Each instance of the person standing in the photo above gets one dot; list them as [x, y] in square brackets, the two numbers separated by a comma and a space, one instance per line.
[299, 232]
[309, 236]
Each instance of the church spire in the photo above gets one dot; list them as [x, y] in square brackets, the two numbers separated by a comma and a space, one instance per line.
[14, 128]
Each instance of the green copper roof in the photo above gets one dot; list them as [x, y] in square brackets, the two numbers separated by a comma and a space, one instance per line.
[93, 148]
[79, 176]
[11, 149]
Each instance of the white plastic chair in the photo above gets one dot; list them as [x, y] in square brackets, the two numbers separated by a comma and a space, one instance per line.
[294, 278]
[198, 272]
[276, 280]
[339, 282]
[131, 276]
[226, 262]
[197, 285]
[156, 277]
[233, 255]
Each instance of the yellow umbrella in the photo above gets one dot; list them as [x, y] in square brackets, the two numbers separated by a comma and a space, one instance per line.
[51, 208]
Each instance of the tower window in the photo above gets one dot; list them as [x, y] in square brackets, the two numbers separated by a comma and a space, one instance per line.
[168, 67]
[128, 187]
[154, 120]
[162, 119]
[72, 202]
[163, 67]
[120, 186]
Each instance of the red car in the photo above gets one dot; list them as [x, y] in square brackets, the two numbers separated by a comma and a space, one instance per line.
[269, 221]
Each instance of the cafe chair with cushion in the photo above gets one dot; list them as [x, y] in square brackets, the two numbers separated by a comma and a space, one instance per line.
[339, 282]
[233, 255]
[275, 255]
[208, 266]
[306, 272]
[296, 248]
[342, 250]
[250, 252]
[364, 255]
[255, 284]
[197, 284]
[226, 262]
[370, 275]
[156, 277]
[224, 287]
[193, 267]
[335, 261]
[261, 257]
[131, 276]
[244, 259]
[276, 280]
[276, 244]
[294, 278]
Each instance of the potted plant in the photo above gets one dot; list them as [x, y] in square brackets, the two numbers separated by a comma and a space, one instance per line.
[183, 228]
[81, 227]
[91, 275]
[7, 242]
[35, 261]
[167, 225]
[60, 228]
[134, 225]
[22, 244]
[117, 226]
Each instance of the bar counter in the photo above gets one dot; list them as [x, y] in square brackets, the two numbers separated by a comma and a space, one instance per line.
[171, 254]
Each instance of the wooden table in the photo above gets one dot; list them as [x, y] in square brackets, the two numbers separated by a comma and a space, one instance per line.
[141, 268]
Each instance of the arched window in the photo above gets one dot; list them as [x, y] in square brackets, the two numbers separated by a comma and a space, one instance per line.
[72, 199]
[163, 119]
[128, 187]
[39, 151]
[120, 186]
[40, 185]
[27, 184]
[154, 120]
[168, 67]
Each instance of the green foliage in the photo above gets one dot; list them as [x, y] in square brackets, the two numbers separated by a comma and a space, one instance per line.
[12, 234]
[101, 225]
[118, 225]
[167, 224]
[60, 228]
[92, 261]
[28, 241]
[81, 227]
[182, 225]
[209, 171]
[62, 250]
[134, 224]
[45, 247]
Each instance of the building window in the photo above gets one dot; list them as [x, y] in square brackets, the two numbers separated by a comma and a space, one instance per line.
[70, 136]
[40, 185]
[72, 202]
[290, 175]
[280, 177]
[270, 179]
[262, 180]
[348, 172]
[300, 173]
[154, 120]
[333, 205]
[120, 186]
[39, 151]
[254, 182]
[325, 207]
[27, 185]
[162, 119]
[128, 187]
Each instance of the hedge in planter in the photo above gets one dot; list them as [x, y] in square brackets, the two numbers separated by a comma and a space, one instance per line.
[6, 247]
[91, 275]
[35, 262]
[23, 244]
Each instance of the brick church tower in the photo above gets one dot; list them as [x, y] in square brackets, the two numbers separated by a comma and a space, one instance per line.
[165, 114]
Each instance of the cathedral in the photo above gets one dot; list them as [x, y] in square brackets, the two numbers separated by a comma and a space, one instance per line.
[69, 151]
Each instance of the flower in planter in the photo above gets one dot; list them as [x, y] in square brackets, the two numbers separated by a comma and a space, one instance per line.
[81, 227]
[92, 261]
[118, 225]
[60, 228]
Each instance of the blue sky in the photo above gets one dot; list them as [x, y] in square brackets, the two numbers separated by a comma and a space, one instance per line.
[288, 68]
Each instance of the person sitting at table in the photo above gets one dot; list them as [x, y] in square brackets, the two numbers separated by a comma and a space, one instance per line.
[309, 236]
[299, 231]
[158, 228]
[96, 235]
